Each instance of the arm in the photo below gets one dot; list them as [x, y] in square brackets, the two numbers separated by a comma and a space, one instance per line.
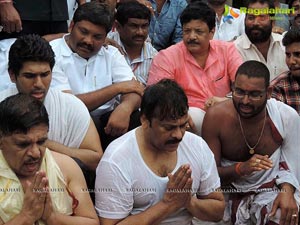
[94, 99]
[119, 119]
[89, 151]
[209, 207]
[10, 18]
[85, 212]
[171, 201]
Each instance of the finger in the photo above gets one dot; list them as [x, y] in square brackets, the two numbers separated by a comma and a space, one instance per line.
[19, 26]
[274, 208]
[284, 217]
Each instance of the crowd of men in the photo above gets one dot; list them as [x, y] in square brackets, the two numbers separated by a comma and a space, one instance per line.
[149, 112]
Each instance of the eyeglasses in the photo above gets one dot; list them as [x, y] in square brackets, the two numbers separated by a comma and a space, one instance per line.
[253, 95]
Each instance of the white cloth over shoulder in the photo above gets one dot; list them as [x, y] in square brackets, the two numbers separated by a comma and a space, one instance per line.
[135, 187]
[261, 187]
[69, 118]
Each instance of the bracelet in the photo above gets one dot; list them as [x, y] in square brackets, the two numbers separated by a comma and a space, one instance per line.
[237, 169]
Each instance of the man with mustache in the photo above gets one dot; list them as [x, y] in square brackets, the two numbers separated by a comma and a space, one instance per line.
[97, 74]
[286, 87]
[132, 25]
[258, 42]
[37, 186]
[161, 173]
[255, 141]
[203, 67]
[72, 131]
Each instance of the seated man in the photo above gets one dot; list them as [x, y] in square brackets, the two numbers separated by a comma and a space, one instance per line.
[95, 74]
[203, 67]
[39, 186]
[259, 43]
[132, 24]
[71, 131]
[286, 87]
[255, 141]
[170, 175]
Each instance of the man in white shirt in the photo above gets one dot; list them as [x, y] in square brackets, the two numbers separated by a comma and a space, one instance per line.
[161, 173]
[229, 21]
[95, 74]
[4, 50]
[258, 42]
[72, 131]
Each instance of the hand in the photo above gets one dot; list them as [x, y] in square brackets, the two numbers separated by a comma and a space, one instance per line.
[34, 198]
[179, 188]
[191, 127]
[131, 86]
[109, 41]
[214, 100]
[48, 208]
[256, 163]
[10, 18]
[118, 121]
[277, 30]
[286, 202]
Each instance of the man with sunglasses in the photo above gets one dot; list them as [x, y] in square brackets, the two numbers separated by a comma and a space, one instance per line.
[255, 141]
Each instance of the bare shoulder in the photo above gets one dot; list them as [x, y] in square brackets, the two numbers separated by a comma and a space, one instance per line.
[221, 111]
[66, 164]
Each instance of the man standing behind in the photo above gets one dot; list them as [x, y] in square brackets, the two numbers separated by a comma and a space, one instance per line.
[203, 67]
[132, 24]
[258, 42]
[255, 141]
[37, 186]
[229, 21]
[96, 74]
[170, 175]
[286, 87]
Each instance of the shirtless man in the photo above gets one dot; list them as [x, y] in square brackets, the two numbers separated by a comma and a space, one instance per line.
[254, 140]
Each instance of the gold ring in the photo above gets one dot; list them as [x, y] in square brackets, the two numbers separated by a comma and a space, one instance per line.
[257, 161]
[295, 215]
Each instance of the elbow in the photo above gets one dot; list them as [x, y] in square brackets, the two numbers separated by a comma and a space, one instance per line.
[219, 212]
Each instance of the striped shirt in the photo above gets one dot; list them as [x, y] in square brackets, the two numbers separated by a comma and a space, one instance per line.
[140, 66]
[286, 88]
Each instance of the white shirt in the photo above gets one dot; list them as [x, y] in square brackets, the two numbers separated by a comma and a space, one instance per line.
[275, 58]
[231, 25]
[135, 187]
[72, 72]
[4, 50]
[69, 119]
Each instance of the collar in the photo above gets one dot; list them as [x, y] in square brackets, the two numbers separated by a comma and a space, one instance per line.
[246, 43]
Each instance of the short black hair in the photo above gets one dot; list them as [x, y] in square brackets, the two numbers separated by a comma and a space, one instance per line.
[164, 100]
[30, 47]
[20, 112]
[132, 9]
[292, 36]
[253, 68]
[199, 11]
[96, 13]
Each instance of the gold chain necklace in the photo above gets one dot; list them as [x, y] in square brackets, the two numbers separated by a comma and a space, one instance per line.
[252, 149]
